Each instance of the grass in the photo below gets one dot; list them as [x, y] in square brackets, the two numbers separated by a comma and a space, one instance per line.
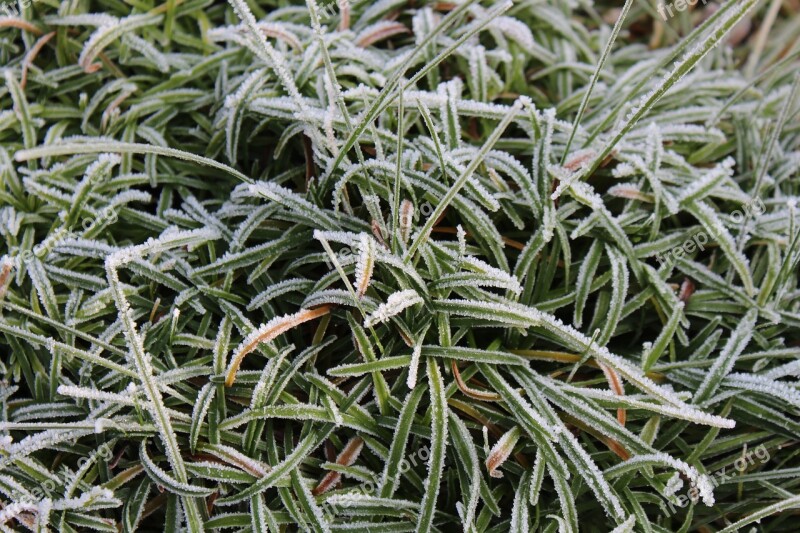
[399, 266]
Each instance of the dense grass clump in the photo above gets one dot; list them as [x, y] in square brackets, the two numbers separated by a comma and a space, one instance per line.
[399, 266]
